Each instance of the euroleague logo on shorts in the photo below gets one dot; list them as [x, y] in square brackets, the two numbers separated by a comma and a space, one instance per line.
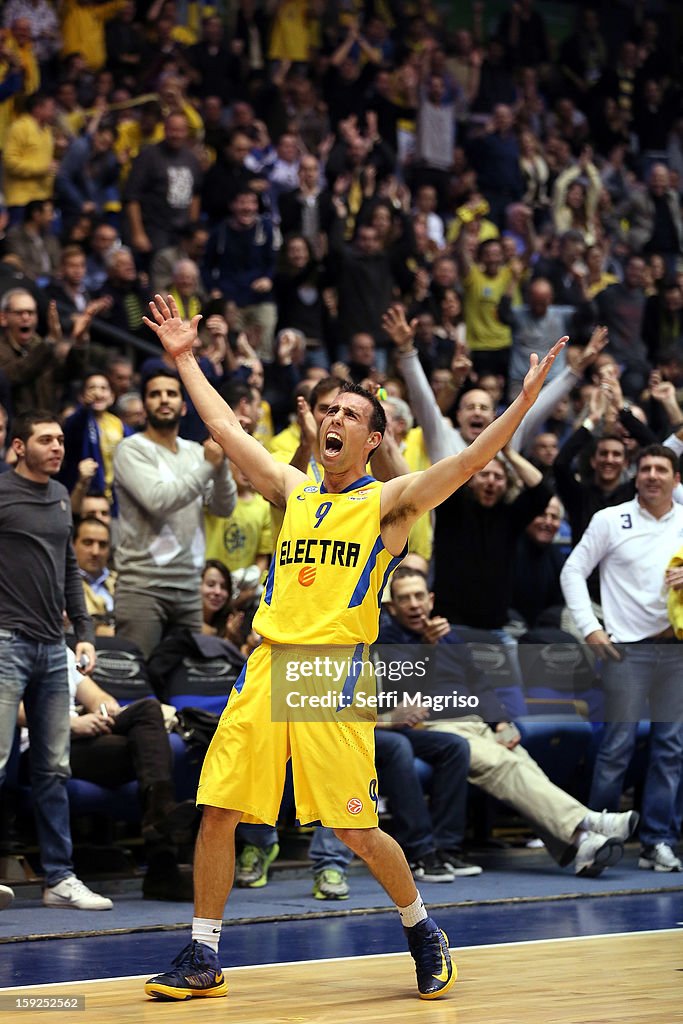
[306, 575]
[354, 805]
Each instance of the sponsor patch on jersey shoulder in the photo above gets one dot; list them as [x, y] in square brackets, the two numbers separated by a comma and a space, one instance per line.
[311, 489]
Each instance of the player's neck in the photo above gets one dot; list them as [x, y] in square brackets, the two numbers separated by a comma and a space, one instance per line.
[335, 483]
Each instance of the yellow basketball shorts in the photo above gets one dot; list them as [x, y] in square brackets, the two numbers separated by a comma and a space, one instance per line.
[333, 760]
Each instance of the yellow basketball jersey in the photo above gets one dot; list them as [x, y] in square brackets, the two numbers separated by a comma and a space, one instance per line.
[329, 568]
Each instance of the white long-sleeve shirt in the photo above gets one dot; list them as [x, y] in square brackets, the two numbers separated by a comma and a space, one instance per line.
[162, 496]
[633, 549]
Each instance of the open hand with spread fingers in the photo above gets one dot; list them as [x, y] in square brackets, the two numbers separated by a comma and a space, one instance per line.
[394, 324]
[175, 334]
[538, 371]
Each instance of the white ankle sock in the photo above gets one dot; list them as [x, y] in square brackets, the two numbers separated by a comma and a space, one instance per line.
[207, 931]
[413, 914]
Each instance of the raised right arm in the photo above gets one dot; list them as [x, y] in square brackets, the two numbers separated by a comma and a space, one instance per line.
[272, 479]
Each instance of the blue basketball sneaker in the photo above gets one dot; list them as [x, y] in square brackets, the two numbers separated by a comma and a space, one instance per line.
[195, 972]
[428, 946]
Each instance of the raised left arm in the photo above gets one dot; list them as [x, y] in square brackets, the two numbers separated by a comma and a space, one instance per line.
[407, 498]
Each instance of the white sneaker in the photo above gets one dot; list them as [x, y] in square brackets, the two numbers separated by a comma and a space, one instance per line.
[6, 896]
[660, 857]
[73, 894]
[595, 853]
[621, 826]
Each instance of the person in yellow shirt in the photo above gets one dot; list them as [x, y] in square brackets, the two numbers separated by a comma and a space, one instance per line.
[243, 538]
[11, 82]
[290, 35]
[20, 43]
[143, 127]
[83, 29]
[28, 159]
[485, 282]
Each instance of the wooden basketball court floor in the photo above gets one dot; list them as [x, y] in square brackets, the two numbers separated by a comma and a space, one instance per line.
[571, 975]
[634, 978]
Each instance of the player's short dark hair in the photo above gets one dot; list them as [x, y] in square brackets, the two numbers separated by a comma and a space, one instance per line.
[378, 419]
[662, 452]
[23, 424]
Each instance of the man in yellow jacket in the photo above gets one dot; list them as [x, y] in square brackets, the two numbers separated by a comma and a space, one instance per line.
[28, 160]
[83, 29]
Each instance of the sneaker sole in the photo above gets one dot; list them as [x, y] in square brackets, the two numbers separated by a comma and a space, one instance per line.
[330, 896]
[74, 906]
[449, 984]
[435, 879]
[467, 872]
[609, 854]
[167, 993]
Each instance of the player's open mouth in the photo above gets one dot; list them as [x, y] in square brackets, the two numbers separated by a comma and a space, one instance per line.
[333, 443]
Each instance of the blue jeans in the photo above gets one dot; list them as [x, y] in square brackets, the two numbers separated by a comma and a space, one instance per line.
[326, 851]
[647, 683]
[419, 829]
[37, 674]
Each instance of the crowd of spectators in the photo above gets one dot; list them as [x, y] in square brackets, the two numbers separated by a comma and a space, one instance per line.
[291, 170]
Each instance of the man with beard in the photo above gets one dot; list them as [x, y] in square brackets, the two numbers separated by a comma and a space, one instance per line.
[163, 483]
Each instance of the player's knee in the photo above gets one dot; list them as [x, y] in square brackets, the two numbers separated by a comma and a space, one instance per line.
[360, 840]
[219, 819]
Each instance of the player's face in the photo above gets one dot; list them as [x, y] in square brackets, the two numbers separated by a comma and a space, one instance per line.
[345, 432]
[411, 603]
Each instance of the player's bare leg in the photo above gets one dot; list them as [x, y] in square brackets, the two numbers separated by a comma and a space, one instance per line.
[196, 971]
[428, 944]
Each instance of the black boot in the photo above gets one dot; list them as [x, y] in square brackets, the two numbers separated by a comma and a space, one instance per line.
[163, 818]
[165, 880]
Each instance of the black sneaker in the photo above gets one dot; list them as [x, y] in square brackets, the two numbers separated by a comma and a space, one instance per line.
[455, 862]
[430, 868]
[428, 946]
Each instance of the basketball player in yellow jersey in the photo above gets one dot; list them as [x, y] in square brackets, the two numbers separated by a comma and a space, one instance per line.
[337, 544]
